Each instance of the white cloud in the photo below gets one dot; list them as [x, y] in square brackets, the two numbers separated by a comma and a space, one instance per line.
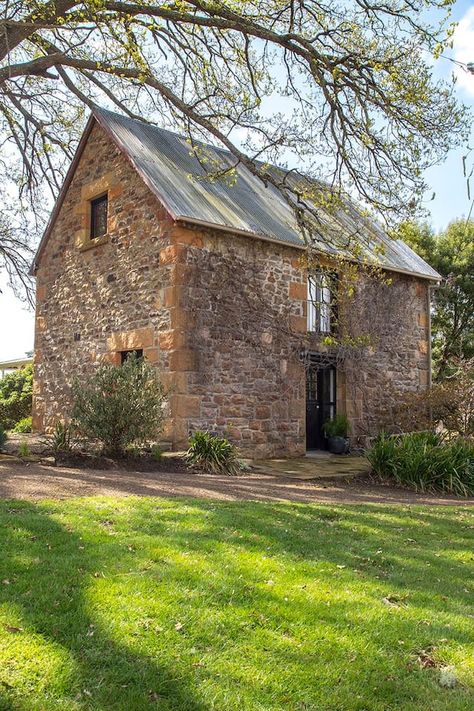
[463, 49]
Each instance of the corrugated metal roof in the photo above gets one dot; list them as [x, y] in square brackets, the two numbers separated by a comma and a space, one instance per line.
[16, 363]
[175, 175]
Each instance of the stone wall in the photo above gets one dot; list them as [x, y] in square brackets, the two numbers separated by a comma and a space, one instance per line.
[245, 305]
[397, 319]
[245, 301]
[94, 300]
[221, 315]
[139, 288]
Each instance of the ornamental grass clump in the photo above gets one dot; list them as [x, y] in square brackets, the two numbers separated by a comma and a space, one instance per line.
[119, 406]
[23, 450]
[62, 441]
[425, 461]
[212, 454]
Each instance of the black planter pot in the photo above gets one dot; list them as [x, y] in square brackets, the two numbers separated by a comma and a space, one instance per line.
[337, 445]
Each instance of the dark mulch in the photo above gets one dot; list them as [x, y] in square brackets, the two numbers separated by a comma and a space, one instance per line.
[144, 463]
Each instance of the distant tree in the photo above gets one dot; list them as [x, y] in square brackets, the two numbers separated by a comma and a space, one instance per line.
[16, 252]
[451, 253]
[16, 393]
[363, 110]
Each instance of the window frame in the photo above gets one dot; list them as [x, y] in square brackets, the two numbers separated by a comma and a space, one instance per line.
[124, 355]
[321, 302]
[93, 203]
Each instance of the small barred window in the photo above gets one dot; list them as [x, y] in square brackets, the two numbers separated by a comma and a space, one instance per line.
[125, 355]
[99, 212]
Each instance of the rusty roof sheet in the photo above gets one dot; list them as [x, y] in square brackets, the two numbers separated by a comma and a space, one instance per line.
[175, 175]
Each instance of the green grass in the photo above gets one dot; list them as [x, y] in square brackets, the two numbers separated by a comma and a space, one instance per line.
[138, 604]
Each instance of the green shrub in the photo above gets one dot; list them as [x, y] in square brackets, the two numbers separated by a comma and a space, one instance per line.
[450, 403]
[24, 425]
[337, 427]
[212, 454]
[119, 406]
[156, 452]
[16, 396]
[426, 462]
[3, 437]
[62, 439]
[23, 450]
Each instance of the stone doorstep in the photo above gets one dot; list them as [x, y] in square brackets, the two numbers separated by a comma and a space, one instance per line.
[324, 466]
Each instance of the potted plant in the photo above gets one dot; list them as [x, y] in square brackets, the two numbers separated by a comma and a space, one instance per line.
[336, 431]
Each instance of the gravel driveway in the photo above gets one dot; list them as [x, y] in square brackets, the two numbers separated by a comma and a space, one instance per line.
[34, 481]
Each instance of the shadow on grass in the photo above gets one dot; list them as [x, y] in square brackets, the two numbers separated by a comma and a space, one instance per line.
[45, 568]
[409, 570]
[209, 553]
[406, 541]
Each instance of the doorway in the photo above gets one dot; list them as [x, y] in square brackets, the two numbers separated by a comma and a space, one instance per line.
[320, 403]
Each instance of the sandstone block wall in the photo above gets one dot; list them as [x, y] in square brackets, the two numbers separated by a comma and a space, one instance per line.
[94, 300]
[398, 361]
[245, 305]
[245, 376]
[222, 317]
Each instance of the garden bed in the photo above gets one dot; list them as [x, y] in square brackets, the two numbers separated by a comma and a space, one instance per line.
[425, 461]
[169, 462]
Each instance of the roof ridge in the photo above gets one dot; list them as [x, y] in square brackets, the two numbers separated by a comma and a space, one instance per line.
[164, 161]
[155, 127]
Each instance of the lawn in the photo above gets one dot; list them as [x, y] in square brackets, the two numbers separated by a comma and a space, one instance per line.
[142, 603]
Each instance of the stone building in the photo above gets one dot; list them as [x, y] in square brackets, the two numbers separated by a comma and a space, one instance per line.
[207, 280]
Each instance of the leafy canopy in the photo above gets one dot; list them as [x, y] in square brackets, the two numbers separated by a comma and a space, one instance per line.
[451, 253]
[343, 86]
[16, 393]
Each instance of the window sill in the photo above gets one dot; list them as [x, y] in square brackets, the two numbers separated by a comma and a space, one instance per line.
[91, 243]
[321, 334]
[321, 331]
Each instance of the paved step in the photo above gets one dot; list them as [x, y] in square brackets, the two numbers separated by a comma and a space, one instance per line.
[324, 466]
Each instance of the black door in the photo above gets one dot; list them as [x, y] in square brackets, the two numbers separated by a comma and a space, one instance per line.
[320, 403]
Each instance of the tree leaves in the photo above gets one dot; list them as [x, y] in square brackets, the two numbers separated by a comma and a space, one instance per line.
[451, 253]
[343, 90]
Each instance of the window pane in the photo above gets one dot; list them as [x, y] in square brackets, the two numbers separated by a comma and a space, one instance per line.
[325, 310]
[99, 217]
[319, 303]
[311, 305]
[125, 355]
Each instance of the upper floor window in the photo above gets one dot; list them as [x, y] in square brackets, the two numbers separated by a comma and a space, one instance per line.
[320, 302]
[135, 353]
[99, 212]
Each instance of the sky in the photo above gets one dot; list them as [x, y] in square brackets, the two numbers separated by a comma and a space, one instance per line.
[446, 181]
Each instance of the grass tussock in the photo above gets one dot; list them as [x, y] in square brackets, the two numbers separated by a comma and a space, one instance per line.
[425, 461]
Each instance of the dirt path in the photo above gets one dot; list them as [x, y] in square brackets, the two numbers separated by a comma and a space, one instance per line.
[33, 481]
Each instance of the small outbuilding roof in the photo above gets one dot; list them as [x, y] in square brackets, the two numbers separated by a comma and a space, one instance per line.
[15, 363]
[176, 176]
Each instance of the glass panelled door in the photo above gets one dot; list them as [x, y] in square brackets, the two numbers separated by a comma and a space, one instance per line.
[320, 403]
